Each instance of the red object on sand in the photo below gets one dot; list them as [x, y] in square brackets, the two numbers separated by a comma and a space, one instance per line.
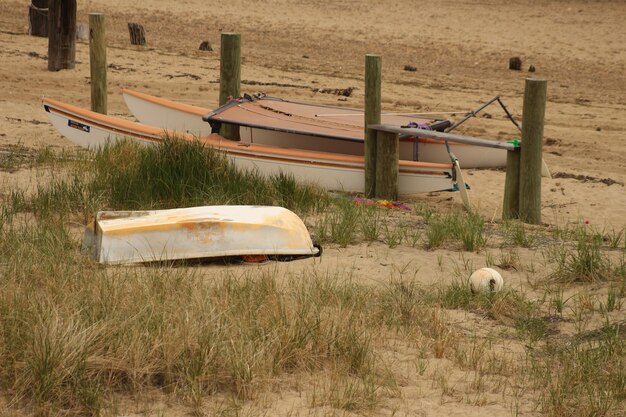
[254, 258]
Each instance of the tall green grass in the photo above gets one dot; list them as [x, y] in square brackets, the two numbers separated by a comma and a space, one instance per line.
[517, 233]
[340, 224]
[177, 173]
[181, 173]
[467, 228]
[585, 259]
[584, 375]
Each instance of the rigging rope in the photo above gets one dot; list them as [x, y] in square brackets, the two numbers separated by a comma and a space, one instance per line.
[473, 113]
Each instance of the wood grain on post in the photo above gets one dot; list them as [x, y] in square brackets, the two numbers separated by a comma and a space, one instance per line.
[515, 63]
[98, 63]
[373, 73]
[230, 76]
[510, 205]
[387, 164]
[61, 34]
[137, 34]
[533, 118]
[38, 18]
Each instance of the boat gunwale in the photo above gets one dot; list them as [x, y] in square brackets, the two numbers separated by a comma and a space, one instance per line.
[125, 127]
[184, 107]
[207, 115]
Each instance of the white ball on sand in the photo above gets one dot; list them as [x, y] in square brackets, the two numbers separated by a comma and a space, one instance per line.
[486, 280]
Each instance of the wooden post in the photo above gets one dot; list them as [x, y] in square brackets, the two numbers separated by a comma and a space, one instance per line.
[530, 159]
[373, 70]
[98, 63]
[510, 206]
[137, 34]
[38, 18]
[61, 34]
[230, 76]
[515, 63]
[387, 163]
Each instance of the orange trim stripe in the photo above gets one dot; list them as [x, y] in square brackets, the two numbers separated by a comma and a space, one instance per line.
[132, 129]
[106, 127]
[186, 108]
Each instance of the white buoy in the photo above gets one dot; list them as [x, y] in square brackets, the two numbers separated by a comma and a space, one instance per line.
[486, 280]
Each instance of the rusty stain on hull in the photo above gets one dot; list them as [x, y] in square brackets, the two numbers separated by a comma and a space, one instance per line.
[142, 236]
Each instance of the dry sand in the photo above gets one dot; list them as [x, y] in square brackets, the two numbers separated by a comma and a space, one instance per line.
[461, 52]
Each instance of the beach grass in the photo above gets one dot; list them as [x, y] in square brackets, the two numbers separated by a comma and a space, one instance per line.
[74, 336]
[466, 228]
[180, 173]
[586, 258]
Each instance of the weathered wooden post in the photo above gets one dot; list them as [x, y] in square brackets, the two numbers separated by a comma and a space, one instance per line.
[373, 73]
[98, 63]
[230, 76]
[38, 18]
[137, 34]
[61, 34]
[510, 206]
[531, 153]
[387, 164]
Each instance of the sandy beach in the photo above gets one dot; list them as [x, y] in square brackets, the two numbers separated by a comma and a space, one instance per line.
[460, 50]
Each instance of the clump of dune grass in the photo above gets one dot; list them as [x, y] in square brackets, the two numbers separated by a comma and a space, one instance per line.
[340, 224]
[343, 222]
[177, 173]
[464, 228]
[519, 234]
[183, 173]
[509, 307]
[585, 260]
[345, 392]
[583, 375]
[15, 157]
[371, 223]
[401, 303]
[615, 238]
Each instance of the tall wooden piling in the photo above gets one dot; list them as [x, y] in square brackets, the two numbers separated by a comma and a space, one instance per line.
[98, 63]
[230, 76]
[61, 34]
[387, 165]
[137, 34]
[510, 206]
[373, 74]
[531, 152]
[38, 18]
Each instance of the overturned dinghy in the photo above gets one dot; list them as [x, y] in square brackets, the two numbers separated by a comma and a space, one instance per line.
[124, 237]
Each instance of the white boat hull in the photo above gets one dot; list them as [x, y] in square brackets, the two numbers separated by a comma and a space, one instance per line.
[167, 114]
[470, 156]
[93, 136]
[197, 232]
[179, 118]
[328, 170]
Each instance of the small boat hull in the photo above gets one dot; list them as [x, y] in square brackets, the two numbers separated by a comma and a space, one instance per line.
[124, 237]
[328, 170]
[168, 114]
